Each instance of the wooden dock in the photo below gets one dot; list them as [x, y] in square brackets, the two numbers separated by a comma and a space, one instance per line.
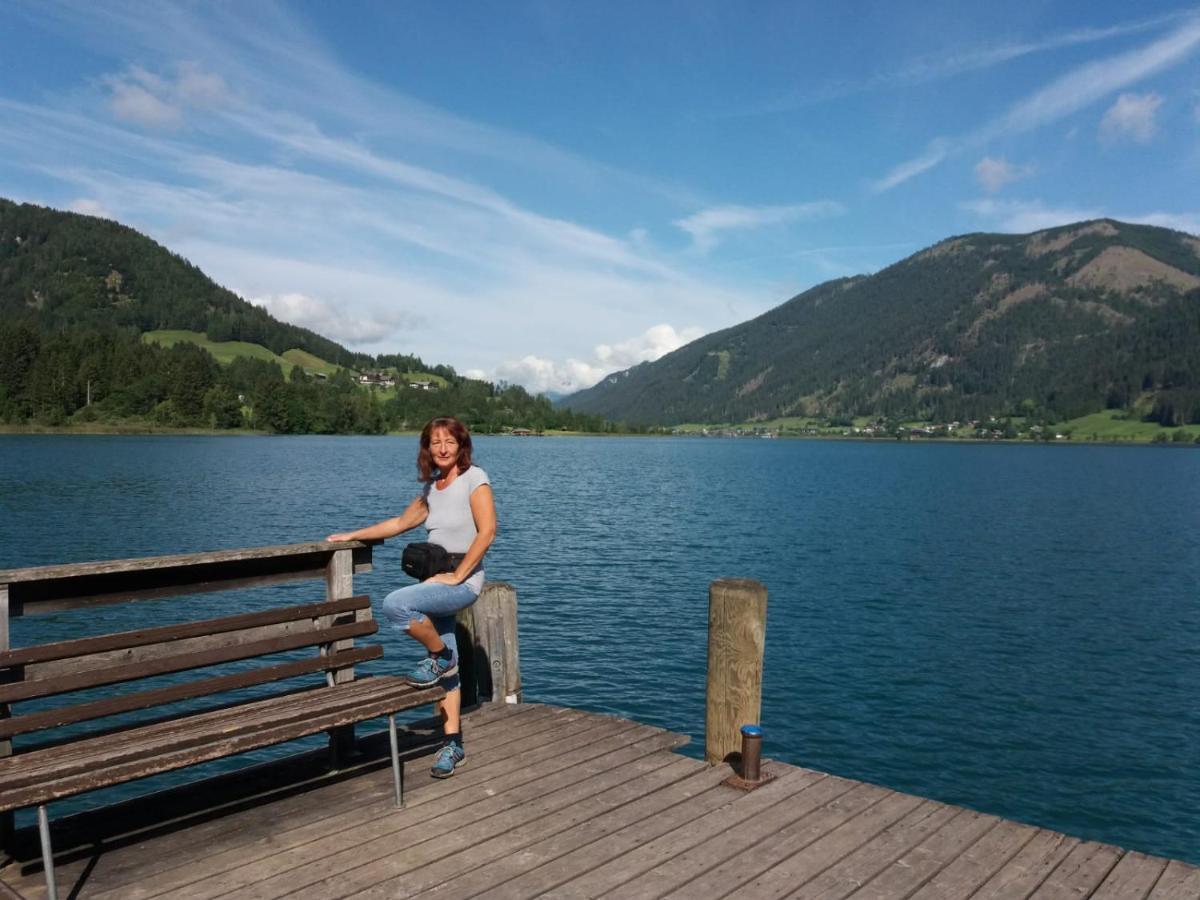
[557, 802]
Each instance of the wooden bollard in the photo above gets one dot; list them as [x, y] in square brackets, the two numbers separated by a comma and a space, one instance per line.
[491, 627]
[737, 624]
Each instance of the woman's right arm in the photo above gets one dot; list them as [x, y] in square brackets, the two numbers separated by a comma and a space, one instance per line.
[412, 517]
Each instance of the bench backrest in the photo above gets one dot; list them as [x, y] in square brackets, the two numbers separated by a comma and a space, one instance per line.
[49, 670]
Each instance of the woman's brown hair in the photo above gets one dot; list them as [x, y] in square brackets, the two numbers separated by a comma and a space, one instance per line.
[426, 470]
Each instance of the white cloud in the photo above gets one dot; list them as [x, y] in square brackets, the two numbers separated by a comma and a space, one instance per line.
[539, 374]
[1067, 94]
[330, 319]
[1132, 117]
[1023, 216]
[89, 206]
[134, 103]
[994, 173]
[655, 342]
[150, 100]
[707, 226]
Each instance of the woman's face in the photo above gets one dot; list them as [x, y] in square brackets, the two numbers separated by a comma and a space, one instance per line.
[444, 448]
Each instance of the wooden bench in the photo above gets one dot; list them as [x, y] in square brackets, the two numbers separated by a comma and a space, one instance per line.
[105, 756]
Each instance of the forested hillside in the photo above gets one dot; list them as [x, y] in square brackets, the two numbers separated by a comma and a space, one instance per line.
[78, 292]
[1055, 324]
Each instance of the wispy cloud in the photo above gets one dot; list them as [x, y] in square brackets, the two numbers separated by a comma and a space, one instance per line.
[708, 226]
[953, 62]
[1023, 216]
[1131, 117]
[993, 173]
[934, 154]
[316, 194]
[1068, 94]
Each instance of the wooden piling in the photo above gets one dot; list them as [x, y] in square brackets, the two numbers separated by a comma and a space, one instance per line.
[737, 622]
[490, 629]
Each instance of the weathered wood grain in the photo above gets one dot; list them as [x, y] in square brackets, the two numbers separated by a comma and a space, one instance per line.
[98, 709]
[1132, 878]
[90, 678]
[799, 836]
[46, 589]
[1179, 881]
[737, 622]
[693, 865]
[1079, 873]
[1018, 878]
[867, 861]
[483, 788]
[646, 846]
[797, 865]
[928, 858]
[363, 868]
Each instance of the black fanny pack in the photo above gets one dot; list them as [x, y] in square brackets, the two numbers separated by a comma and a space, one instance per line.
[423, 560]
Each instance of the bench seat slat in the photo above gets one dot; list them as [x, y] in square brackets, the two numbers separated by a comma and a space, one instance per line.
[126, 640]
[60, 684]
[97, 709]
[390, 694]
[164, 734]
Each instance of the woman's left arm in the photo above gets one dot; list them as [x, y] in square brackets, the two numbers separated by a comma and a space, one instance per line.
[483, 511]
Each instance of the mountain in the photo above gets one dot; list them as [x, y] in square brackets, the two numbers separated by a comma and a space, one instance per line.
[101, 327]
[62, 270]
[1059, 323]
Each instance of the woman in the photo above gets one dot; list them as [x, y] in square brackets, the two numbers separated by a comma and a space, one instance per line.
[457, 508]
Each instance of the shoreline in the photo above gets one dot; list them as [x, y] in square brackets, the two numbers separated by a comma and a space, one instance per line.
[96, 430]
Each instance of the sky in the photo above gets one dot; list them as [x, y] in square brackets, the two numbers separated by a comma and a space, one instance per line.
[542, 193]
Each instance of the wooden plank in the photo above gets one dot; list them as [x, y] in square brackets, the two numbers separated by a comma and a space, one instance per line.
[339, 582]
[820, 828]
[125, 640]
[1018, 878]
[926, 859]
[798, 865]
[97, 709]
[1179, 881]
[7, 821]
[480, 843]
[645, 852]
[240, 833]
[979, 863]
[1132, 878]
[378, 703]
[356, 868]
[61, 684]
[506, 776]
[80, 664]
[545, 866]
[693, 864]
[53, 588]
[125, 745]
[174, 561]
[859, 867]
[1079, 873]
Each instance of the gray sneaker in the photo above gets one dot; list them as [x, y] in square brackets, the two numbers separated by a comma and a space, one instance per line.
[431, 670]
[448, 758]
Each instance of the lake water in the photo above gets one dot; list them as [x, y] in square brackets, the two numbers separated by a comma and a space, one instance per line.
[1010, 628]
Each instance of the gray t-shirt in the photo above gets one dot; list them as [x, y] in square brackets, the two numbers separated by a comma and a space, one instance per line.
[450, 523]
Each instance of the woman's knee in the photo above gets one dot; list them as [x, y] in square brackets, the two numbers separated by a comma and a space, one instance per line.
[397, 610]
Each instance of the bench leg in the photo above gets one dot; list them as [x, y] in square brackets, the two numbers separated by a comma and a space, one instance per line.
[397, 769]
[47, 853]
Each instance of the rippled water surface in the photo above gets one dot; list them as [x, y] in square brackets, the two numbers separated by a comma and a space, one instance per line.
[1010, 628]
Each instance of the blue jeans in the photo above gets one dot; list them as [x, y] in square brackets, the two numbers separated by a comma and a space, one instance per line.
[437, 602]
